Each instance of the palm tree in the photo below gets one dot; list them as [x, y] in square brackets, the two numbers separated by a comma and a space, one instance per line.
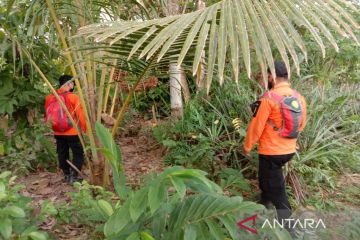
[231, 30]
[227, 31]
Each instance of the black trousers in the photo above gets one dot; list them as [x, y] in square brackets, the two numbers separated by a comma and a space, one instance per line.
[272, 183]
[63, 145]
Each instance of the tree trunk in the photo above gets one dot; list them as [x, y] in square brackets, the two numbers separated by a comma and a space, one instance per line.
[175, 91]
[177, 75]
[185, 87]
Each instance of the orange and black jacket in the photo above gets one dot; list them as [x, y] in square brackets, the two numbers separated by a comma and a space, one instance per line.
[268, 115]
[74, 106]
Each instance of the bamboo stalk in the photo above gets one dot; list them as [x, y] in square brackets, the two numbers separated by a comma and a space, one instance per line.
[128, 99]
[75, 168]
[114, 100]
[82, 74]
[111, 80]
[91, 90]
[101, 93]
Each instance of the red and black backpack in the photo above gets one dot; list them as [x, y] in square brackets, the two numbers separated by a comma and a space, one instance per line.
[291, 112]
[56, 115]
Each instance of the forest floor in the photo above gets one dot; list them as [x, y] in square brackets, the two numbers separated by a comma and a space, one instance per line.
[141, 155]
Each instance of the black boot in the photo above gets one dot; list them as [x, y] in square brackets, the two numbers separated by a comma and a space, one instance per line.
[260, 200]
[74, 177]
[67, 176]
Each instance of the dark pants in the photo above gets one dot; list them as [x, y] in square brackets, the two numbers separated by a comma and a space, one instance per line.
[63, 145]
[272, 183]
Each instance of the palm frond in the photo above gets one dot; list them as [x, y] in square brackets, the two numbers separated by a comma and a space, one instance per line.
[231, 29]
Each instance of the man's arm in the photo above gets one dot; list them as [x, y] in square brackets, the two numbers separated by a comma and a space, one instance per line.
[257, 125]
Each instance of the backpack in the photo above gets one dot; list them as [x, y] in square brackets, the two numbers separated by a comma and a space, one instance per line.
[291, 112]
[56, 115]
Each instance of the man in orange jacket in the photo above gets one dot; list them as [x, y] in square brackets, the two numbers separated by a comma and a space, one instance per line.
[275, 148]
[68, 138]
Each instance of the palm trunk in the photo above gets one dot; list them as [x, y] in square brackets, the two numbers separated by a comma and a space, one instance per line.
[175, 91]
[185, 87]
[176, 74]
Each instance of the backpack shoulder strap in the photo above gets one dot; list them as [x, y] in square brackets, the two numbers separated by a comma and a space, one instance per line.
[277, 98]
[296, 94]
[66, 100]
[272, 95]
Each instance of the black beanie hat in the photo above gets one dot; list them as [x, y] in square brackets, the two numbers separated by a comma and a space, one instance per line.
[64, 78]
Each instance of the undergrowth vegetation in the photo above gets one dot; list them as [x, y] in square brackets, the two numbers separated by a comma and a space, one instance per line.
[16, 213]
[212, 131]
[19, 142]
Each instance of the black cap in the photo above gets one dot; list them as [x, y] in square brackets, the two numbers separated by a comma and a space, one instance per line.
[64, 78]
[280, 69]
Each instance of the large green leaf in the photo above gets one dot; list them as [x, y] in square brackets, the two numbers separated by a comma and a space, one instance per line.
[5, 228]
[215, 230]
[113, 154]
[156, 195]
[138, 204]
[201, 207]
[179, 186]
[117, 221]
[190, 232]
[15, 211]
[108, 142]
[37, 235]
[230, 224]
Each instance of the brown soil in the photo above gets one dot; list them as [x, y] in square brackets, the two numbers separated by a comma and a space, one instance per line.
[141, 155]
[350, 179]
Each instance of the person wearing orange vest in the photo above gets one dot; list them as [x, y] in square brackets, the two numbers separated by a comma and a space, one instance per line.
[277, 142]
[67, 137]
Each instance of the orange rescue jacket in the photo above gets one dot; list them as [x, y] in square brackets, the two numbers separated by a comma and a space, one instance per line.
[261, 128]
[76, 110]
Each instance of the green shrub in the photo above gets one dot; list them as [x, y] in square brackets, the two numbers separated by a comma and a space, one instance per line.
[16, 220]
[26, 149]
[205, 137]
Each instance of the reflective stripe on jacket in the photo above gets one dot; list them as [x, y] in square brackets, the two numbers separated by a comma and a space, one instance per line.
[260, 130]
